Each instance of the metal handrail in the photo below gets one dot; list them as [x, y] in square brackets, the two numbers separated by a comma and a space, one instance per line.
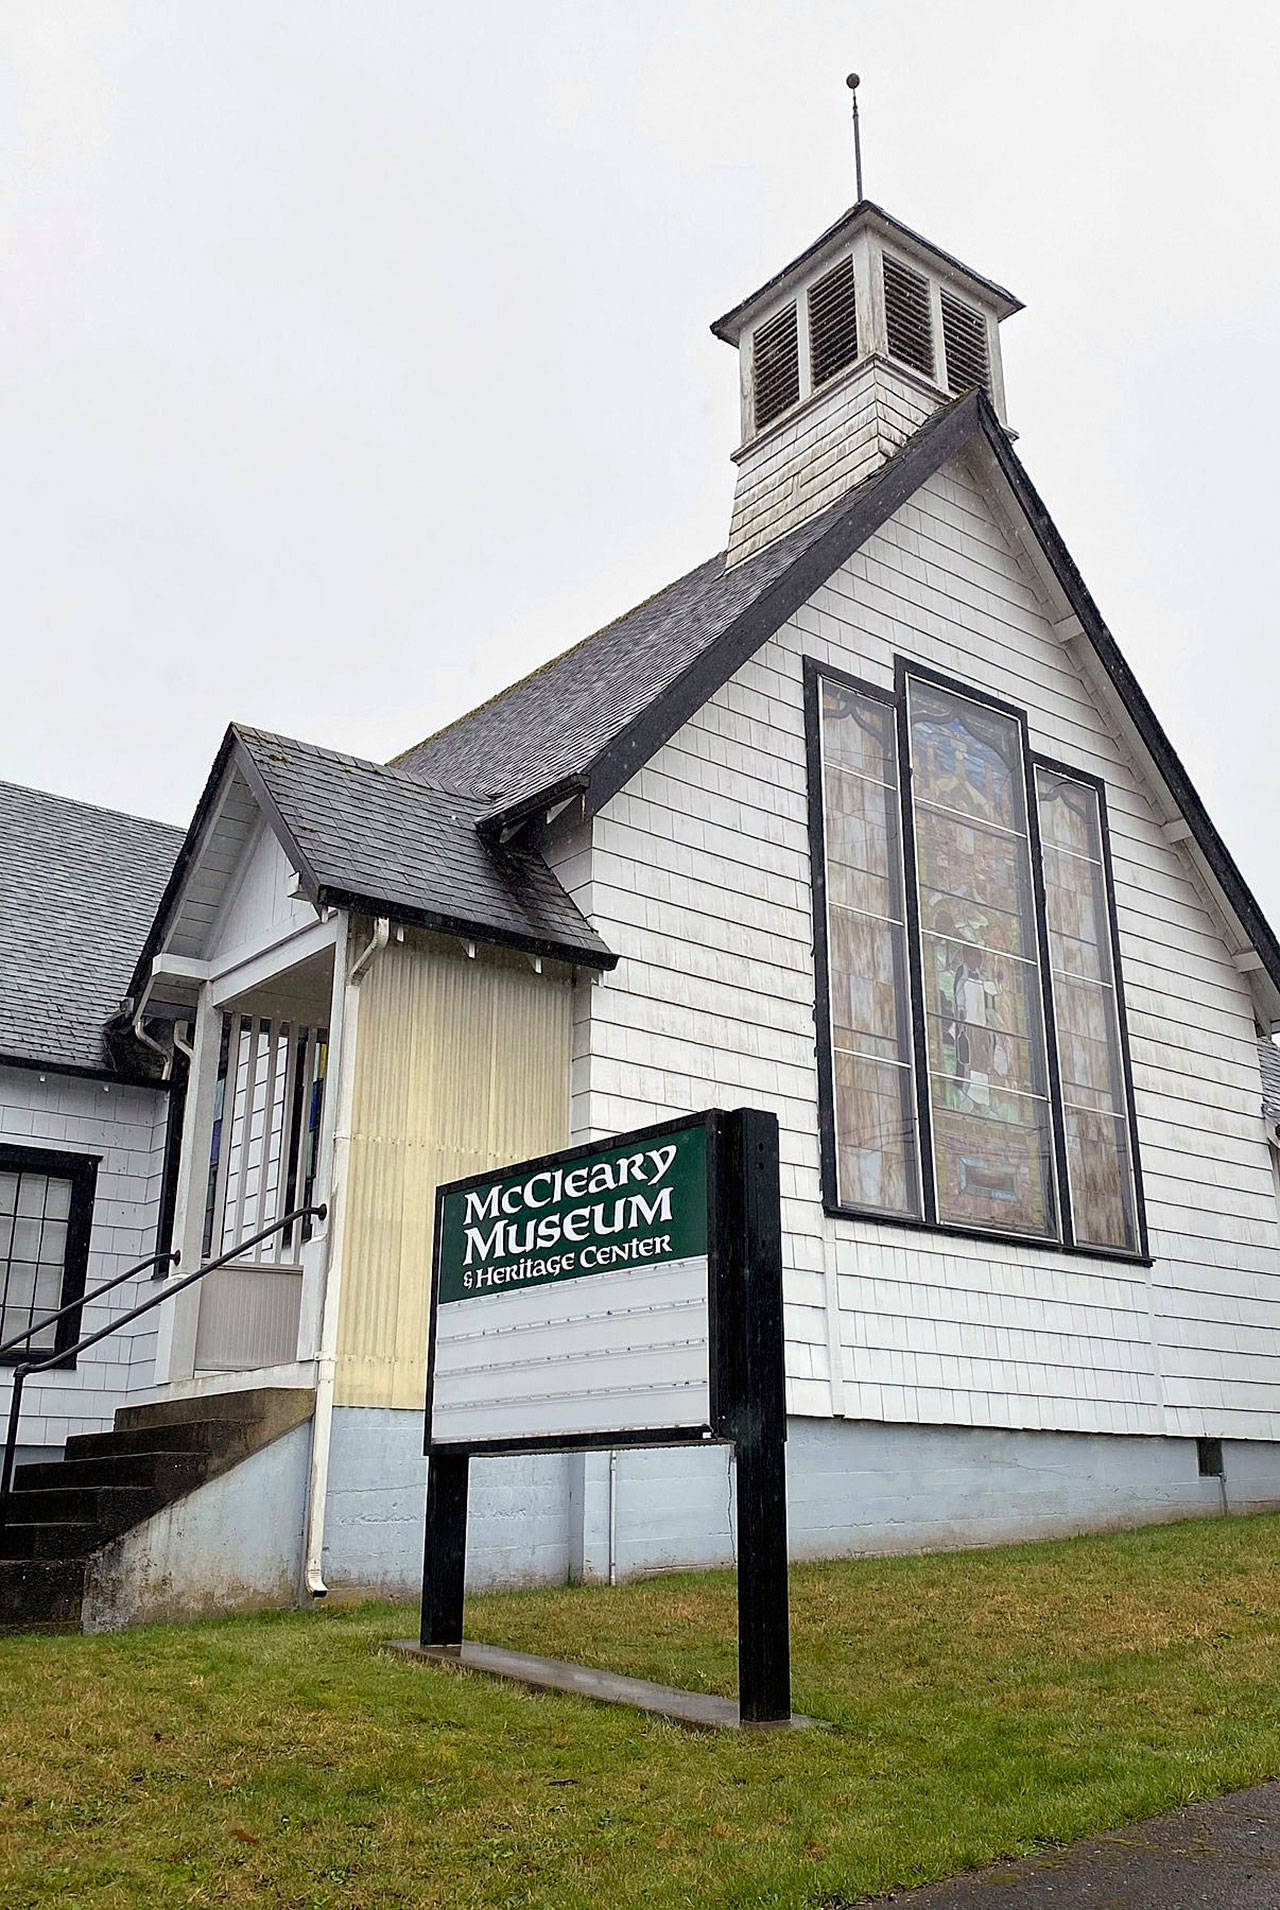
[87, 1299]
[23, 1372]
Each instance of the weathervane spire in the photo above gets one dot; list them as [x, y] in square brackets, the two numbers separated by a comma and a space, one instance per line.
[852, 84]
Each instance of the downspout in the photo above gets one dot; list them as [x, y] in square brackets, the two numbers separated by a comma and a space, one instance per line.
[140, 1034]
[327, 1363]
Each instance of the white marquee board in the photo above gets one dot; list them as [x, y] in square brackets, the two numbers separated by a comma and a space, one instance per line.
[570, 1297]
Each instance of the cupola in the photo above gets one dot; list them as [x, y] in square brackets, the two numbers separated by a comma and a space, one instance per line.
[843, 355]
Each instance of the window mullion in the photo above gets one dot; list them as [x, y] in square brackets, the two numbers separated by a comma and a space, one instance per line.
[914, 950]
[1048, 1007]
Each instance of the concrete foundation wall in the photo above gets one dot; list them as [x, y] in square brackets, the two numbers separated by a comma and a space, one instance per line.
[233, 1544]
[853, 1486]
[518, 1532]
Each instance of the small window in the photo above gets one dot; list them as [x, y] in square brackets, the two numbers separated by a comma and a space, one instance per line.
[46, 1207]
[833, 323]
[775, 367]
[907, 316]
[964, 340]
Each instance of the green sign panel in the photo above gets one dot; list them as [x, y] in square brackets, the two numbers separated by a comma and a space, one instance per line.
[596, 1212]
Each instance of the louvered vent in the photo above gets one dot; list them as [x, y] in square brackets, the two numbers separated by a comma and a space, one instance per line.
[906, 311]
[964, 338]
[775, 367]
[833, 323]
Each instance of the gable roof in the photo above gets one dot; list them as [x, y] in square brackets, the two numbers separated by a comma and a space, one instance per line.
[365, 836]
[590, 718]
[593, 715]
[78, 888]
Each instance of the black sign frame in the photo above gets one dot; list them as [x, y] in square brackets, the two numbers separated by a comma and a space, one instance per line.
[747, 1402]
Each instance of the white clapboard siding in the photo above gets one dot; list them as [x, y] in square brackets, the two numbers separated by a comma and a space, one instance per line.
[260, 908]
[698, 875]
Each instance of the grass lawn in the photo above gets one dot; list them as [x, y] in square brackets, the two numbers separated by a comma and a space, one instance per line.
[978, 1703]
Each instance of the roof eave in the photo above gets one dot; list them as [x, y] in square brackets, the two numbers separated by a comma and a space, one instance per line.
[443, 922]
[730, 326]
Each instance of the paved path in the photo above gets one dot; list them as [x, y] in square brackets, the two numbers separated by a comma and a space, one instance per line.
[1224, 1855]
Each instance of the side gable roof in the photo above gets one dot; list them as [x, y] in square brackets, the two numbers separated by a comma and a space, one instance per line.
[365, 836]
[592, 717]
[78, 887]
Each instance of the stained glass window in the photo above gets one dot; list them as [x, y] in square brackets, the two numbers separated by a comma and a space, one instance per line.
[877, 1164]
[1090, 1064]
[943, 1104]
[988, 1078]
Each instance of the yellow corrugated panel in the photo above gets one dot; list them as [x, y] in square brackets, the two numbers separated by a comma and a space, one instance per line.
[460, 1065]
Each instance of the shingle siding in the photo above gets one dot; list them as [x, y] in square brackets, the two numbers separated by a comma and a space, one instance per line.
[699, 878]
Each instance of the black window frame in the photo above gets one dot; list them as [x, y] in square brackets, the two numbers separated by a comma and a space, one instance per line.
[82, 1171]
[906, 669]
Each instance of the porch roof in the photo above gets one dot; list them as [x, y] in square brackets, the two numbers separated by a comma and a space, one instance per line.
[362, 835]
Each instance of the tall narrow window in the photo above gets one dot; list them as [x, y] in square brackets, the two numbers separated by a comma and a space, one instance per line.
[1090, 1058]
[877, 1155]
[988, 1077]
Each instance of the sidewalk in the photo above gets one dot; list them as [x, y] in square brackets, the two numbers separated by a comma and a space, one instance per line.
[1223, 1855]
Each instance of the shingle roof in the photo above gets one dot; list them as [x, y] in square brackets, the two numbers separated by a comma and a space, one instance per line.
[367, 836]
[1269, 1060]
[78, 889]
[595, 714]
[552, 724]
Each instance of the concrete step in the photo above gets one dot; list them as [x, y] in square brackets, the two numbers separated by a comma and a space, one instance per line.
[61, 1512]
[195, 1435]
[276, 1408]
[62, 1539]
[112, 1509]
[172, 1473]
[41, 1594]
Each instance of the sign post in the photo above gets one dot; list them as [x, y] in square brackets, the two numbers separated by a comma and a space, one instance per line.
[623, 1293]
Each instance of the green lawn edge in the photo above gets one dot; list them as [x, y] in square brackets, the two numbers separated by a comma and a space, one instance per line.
[977, 1704]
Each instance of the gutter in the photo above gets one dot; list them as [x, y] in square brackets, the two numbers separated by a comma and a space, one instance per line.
[327, 1363]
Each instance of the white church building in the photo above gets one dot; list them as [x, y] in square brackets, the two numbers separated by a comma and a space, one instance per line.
[865, 822]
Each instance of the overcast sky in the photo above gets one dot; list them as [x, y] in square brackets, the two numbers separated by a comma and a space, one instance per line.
[353, 359]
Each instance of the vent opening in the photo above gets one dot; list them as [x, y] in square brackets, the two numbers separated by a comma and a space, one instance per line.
[907, 317]
[833, 323]
[1209, 1458]
[964, 340]
[775, 367]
